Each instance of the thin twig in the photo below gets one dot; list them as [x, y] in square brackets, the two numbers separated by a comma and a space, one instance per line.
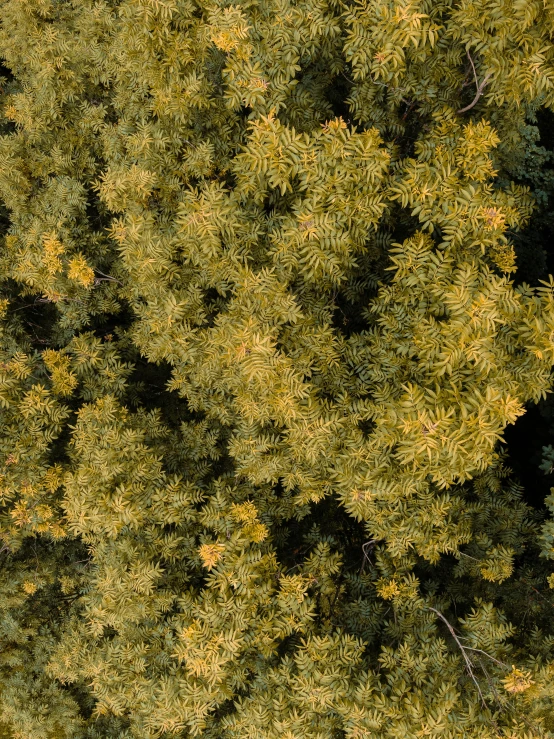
[469, 663]
[498, 662]
[480, 87]
[473, 67]
[537, 592]
[348, 79]
[108, 277]
[39, 301]
[332, 603]
[368, 546]
[27, 305]
[408, 109]
[463, 554]
[494, 692]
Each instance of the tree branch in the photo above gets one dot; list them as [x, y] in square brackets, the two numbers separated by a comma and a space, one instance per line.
[478, 95]
[469, 663]
[480, 87]
[368, 546]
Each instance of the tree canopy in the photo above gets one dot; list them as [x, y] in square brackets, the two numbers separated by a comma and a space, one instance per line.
[274, 283]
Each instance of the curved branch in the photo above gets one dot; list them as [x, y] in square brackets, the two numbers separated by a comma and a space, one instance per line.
[473, 67]
[478, 95]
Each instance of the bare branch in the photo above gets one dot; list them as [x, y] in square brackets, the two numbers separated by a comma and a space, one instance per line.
[478, 95]
[106, 277]
[473, 67]
[498, 662]
[463, 554]
[367, 547]
[469, 663]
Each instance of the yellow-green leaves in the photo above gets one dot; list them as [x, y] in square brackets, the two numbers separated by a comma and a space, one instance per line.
[335, 177]
[256, 364]
[448, 187]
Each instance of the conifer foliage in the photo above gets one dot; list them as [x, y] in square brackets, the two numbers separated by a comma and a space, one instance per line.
[262, 330]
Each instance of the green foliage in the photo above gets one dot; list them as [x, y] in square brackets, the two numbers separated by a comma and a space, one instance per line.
[263, 327]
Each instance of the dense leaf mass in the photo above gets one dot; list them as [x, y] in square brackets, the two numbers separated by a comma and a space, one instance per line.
[274, 282]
